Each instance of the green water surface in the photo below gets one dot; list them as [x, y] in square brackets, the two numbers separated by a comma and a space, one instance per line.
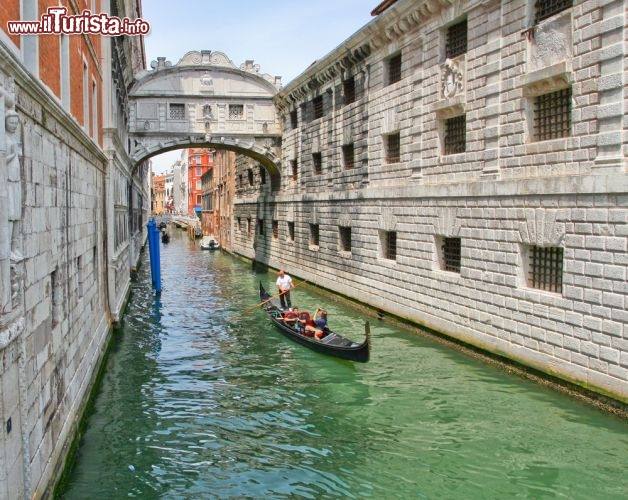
[199, 401]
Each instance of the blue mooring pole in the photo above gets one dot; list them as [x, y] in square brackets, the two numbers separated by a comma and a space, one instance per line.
[153, 248]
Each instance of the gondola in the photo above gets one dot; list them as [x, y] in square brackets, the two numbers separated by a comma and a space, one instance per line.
[332, 343]
[165, 237]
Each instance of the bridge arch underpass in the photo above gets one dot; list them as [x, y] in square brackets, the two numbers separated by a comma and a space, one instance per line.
[206, 101]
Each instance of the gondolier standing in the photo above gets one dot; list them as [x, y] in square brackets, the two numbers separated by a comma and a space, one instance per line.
[284, 284]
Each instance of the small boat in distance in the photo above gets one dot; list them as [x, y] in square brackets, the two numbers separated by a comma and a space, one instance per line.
[332, 343]
[165, 237]
[209, 243]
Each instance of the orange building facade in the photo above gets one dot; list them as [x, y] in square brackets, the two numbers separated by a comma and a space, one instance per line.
[200, 161]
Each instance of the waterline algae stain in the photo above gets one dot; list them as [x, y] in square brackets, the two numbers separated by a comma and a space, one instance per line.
[198, 401]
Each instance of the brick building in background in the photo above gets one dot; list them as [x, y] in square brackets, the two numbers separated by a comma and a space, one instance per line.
[200, 160]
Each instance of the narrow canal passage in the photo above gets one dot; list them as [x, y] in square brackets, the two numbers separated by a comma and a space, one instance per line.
[199, 401]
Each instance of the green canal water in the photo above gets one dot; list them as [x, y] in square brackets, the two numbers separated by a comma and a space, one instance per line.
[199, 401]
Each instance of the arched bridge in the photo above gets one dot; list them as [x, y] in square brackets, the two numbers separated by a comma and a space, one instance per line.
[206, 101]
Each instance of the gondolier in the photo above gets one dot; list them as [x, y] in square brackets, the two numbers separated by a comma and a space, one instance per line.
[284, 284]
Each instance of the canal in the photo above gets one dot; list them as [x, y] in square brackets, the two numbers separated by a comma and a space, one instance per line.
[201, 401]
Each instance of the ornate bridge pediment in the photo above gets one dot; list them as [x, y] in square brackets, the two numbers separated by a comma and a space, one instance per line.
[205, 100]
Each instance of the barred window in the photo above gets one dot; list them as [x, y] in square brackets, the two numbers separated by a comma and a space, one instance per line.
[317, 103]
[295, 169]
[347, 156]
[450, 252]
[456, 40]
[393, 148]
[317, 159]
[260, 226]
[249, 227]
[348, 90]
[547, 8]
[552, 115]
[176, 111]
[394, 69]
[236, 112]
[290, 231]
[344, 234]
[250, 175]
[314, 235]
[262, 175]
[388, 241]
[239, 224]
[455, 135]
[275, 229]
[545, 268]
[240, 182]
[294, 121]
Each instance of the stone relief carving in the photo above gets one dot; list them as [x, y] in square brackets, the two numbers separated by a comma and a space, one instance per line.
[551, 43]
[11, 156]
[452, 79]
[542, 227]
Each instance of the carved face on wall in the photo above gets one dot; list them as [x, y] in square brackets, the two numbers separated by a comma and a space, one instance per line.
[11, 121]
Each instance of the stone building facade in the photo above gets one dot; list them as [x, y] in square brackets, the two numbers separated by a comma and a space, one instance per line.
[461, 164]
[74, 209]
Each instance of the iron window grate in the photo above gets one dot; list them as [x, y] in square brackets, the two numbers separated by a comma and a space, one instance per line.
[275, 229]
[455, 135]
[345, 238]
[317, 103]
[348, 156]
[260, 225]
[451, 254]
[348, 89]
[236, 111]
[291, 231]
[390, 247]
[456, 42]
[546, 268]
[317, 159]
[393, 147]
[547, 8]
[552, 115]
[294, 166]
[177, 111]
[394, 69]
[314, 235]
[294, 121]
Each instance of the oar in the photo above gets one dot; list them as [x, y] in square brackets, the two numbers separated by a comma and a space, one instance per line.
[269, 299]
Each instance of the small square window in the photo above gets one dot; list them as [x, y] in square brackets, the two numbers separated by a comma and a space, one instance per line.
[290, 231]
[393, 147]
[455, 140]
[388, 240]
[449, 253]
[317, 159]
[545, 268]
[317, 104]
[275, 229]
[176, 111]
[236, 112]
[347, 156]
[344, 234]
[552, 115]
[314, 235]
[547, 8]
[348, 90]
[394, 69]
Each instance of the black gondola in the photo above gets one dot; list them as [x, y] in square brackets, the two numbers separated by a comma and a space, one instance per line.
[332, 343]
[165, 237]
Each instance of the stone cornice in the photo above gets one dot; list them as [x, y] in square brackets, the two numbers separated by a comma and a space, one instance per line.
[392, 24]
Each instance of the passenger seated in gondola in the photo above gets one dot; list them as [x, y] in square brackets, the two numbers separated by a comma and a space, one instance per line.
[319, 322]
[291, 317]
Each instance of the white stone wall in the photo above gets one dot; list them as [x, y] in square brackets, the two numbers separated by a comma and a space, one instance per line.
[507, 191]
